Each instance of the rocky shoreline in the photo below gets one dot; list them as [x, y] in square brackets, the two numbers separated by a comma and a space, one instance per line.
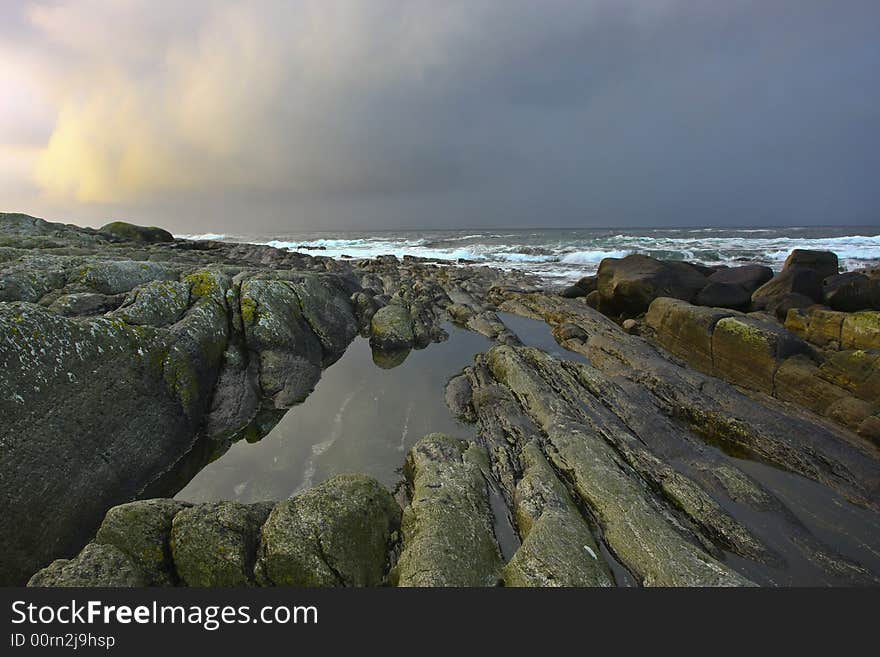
[723, 431]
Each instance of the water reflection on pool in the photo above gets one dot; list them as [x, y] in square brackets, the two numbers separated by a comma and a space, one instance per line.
[360, 418]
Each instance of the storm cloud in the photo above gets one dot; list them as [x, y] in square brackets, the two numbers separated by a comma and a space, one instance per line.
[275, 115]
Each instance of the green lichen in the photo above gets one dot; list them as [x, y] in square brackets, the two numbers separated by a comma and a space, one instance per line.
[202, 283]
[248, 310]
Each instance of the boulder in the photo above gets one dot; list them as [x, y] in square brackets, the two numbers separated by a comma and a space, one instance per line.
[97, 565]
[852, 291]
[787, 302]
[133, 233]
[749, 277]
[793, 280]
[580, 289]
[799, 380]
[724, 295]
[391, 329]
[628, 285]
[825, 263]
[448, 537]
[215, 544]
[336, 534]
[142, 531]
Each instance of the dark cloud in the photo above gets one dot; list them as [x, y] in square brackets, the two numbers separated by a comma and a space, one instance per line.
[416, 114]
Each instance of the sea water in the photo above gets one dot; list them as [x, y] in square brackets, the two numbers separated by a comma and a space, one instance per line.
[559, 256]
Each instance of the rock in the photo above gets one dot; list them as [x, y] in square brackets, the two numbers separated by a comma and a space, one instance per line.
[852, 291]
[792, 280]
[860, 330]
[774, 433]
[448, 538]
[787, 302]
[724, 295]
[685, 330]
[141, 530]
[236, 399]
[581, 289]
[391, 328]
[336, 534]
[748, 351]
[326, 308]
[289, 352]
[113, 277]
[26, 280]
[799, 380]
[79, 304]
[459, 394]
[824, 327]
[631, 326]
[97, 565]
[850, 412]
[855, 370]
[133, 233]
[59, 426]
[629, 285]
[459, 313]
[573, 332]
[364, 307]
[797, 320]
[639, 533]
[558, 548]
[157, 303]
[216, 544]
[749, 277]
[870, 429]
[825, 263]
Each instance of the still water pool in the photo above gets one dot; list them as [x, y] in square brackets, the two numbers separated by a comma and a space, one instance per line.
[360, 418]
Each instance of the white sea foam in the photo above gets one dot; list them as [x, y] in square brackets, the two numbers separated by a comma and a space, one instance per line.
[560, 256]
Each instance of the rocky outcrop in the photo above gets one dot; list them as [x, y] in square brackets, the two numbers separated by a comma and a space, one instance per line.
[448, 538]
[340, 533]
[831, 329]
[758, 354]
[558, 548]
[118, 360]
[133, 233]
[764, 429]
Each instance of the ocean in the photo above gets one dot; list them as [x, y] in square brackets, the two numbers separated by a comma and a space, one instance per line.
[560, 256]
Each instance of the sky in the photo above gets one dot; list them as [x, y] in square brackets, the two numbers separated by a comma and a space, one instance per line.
[284, 115]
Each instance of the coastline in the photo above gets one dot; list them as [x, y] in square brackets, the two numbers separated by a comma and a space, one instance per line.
[711, 397]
